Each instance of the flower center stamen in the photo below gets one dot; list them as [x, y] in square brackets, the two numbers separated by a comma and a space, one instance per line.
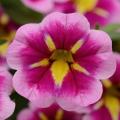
[43, 116]
[62, 55]
[76, 46]
[61, 61]
[50, 44]
[60, 66]
[59, 114]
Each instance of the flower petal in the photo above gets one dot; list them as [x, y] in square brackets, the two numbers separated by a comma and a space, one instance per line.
[105, 6]
[96, 55]
[96, 42]
[28, 47]
[44, 6]
[61, 1]
[5, 82]
[6, 106]
[27, 114]
[78, 91]
[100, 114]
[101, 66]
[54, 112]
[35, 85]
[65, 25]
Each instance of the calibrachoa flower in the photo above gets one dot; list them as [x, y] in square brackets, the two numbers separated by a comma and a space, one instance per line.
[109, 106]
[52, 113]
[6, 105]
[61, 60]
[97, 11]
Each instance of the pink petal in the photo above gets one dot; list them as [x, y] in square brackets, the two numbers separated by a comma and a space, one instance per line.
[100, 114]
[6, 106]
[61, 1]
[43, 6]
[35, 85]
[78, 91]
[116, 17]
[96, 55]
[5, 82]
[28, 47]
[64, 7]
[51, 112]
[109, 6]
[66, 28]
[27, 114]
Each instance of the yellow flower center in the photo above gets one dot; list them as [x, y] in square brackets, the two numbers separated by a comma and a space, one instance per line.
[4, 19]
[60, 66]
[84, 6]
[61, 61]
[62, 55]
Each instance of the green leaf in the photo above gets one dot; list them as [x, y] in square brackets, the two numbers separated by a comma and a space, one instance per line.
[116, 45]
[2, 41]
[97, 27]
[113, 30]
[19, 13]
[21, 103]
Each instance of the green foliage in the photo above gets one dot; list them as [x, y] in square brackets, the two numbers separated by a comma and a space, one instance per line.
[116, 46]
[19, 13]
[114, 31]
[2, 41]
[21, 103]
[97, 26]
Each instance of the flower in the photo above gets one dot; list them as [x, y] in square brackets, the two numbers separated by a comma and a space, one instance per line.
[6, 105]
[96, 11]
[61, 60]
[54, 112]
[99, 11]
[108, 108]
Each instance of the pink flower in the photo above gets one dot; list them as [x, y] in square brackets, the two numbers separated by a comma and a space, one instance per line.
[108, 108]
[6, 105]
[52, 113]
[96, 11]
[61, 60]
[102, 11]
